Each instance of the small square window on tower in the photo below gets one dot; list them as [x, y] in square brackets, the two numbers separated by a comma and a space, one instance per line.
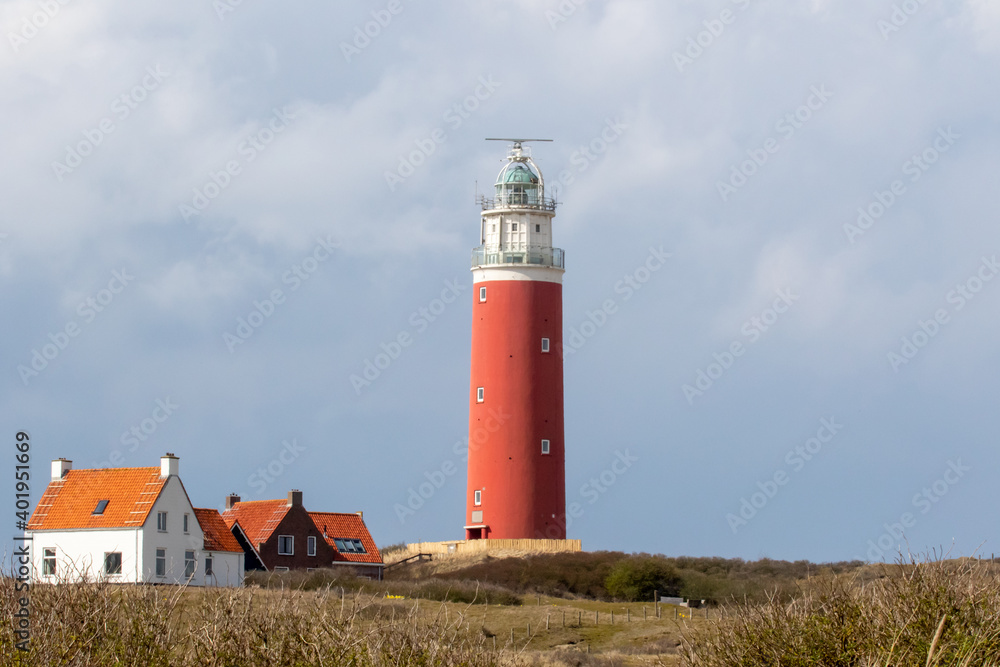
[546, 448]
[482, 294]
[480, 394]
[538, 228]
[478, 498]
[545, 345]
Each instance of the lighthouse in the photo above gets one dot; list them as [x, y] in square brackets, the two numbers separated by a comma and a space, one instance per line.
[517, 460]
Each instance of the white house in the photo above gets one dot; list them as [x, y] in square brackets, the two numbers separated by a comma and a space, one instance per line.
[129, 525]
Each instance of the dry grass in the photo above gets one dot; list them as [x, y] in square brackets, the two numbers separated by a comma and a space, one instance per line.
[938, 613]
[103, 624]
[907, 614]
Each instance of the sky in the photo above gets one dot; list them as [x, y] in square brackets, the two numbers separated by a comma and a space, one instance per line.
[220, 219]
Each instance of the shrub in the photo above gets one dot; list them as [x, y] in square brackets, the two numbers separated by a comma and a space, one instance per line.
[638, 578]
[339, 580]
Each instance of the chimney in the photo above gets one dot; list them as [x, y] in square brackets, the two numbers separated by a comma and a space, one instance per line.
[169, 465]
[59, 468]
[231, 500]
[362, 515]
[295, 498]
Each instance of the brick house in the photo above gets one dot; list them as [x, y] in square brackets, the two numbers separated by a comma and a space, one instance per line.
[352, 543]
[280, 535]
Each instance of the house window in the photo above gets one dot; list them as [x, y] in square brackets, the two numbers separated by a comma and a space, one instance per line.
[281, 569]
[311, 545]
[186, 517]
[545, 345]
[161, 562]
[49, 562]
[477, 498]
[349, 545]
[513, 226]
[189, 564]
[286, 545]
[545, 447]
[101, 505]
[208, 566]
[161, 521]
[538, 228]
[482, 294]
[113, 562]
[480, 394]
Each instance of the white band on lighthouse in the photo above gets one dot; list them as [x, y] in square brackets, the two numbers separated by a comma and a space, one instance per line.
[545, 274]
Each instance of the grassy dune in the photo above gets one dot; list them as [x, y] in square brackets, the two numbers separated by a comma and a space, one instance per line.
[935, 613]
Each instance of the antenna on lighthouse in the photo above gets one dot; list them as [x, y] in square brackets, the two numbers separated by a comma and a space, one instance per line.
[517, 142]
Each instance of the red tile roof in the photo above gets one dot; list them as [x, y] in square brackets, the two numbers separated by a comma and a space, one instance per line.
[347, 526]
[70, 502]
[217, 535]
[257, 518]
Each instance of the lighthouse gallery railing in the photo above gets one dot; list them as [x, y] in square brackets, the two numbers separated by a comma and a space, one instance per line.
[554, 257]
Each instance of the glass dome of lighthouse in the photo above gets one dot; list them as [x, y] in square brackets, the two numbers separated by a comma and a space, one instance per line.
[520, 183]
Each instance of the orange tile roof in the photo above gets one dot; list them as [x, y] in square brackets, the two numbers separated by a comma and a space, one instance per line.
[217, 535]
[258, 518]
[350, 526]
[70, 502]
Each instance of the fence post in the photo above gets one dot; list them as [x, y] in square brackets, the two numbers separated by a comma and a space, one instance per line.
[579, 621]
[546, 622]
[564, 618]
[512, 635]
[529, 629]
[597, 618]
[644, 613]
[628, 615]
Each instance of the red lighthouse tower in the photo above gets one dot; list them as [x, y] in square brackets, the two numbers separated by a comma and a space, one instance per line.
[517, 462]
